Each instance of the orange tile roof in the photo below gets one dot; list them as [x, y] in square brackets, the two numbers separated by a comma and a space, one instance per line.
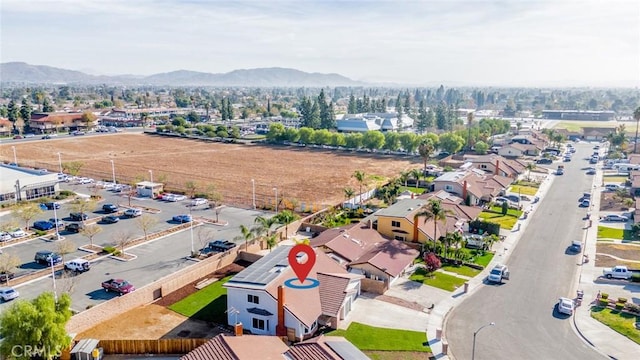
[223, 347]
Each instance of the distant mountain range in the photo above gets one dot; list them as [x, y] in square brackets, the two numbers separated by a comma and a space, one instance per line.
[20, 72]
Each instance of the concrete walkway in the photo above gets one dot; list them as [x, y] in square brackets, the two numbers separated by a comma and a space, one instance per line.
[601, 337]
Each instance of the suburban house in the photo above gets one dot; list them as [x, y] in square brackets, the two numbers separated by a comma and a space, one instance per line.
[635, 183]
[6, 127]
[249, 347]
[362, 250]
[570, 135]
[596, 133]
[258, 298]
[498, 165]
[44, 123]
[516, 150]
[473, 186]
[399, 220]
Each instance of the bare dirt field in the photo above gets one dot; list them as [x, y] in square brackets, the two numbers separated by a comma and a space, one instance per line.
[311, 176]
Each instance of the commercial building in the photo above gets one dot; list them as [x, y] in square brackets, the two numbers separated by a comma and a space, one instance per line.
[17, 184]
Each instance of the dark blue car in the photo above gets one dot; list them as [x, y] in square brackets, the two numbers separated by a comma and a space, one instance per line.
[50, 206]
[182, 218]
[43, 225]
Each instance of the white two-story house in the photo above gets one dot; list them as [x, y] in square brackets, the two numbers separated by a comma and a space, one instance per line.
[258, 298]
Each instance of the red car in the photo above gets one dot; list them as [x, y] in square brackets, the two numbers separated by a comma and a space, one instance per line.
[18, 137]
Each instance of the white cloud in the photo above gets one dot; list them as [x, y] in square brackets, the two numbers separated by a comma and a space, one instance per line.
[491, 42]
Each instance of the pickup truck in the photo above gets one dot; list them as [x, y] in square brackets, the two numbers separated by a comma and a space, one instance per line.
[618, 272]
[118, 285]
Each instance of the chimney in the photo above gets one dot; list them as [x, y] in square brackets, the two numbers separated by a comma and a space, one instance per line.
[464, 191]
[281, 330]
[370, 224]
[497, 167]
[237, 329]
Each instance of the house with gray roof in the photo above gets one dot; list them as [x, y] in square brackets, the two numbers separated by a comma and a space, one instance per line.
[373, 121]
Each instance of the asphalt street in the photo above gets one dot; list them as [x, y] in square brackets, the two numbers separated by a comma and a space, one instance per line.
[527, 323]
[154, 259]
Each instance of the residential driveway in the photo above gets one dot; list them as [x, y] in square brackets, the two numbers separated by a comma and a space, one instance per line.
[416, 292]
[369, 311]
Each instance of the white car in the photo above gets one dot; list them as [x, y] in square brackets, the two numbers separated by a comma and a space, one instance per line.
[616, 217]
[498, 273]
[174, 197]
[17, 233]
[565, 306]
[132, 212]
[613, 187]
[5, 236]
[199, 201]
[85, 180]
[8, 293]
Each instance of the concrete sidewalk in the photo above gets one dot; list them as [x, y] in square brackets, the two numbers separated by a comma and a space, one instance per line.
[601, 337]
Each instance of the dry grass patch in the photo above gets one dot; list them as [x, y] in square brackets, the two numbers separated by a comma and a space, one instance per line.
[623, 251]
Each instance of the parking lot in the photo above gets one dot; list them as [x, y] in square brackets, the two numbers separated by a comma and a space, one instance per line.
[154, 259]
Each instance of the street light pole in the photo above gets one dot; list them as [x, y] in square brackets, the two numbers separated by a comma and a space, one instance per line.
[151, 175]
[191, 231]
[60, 162]
[473, 351]
[113, 172]
[15, 159]
[276, 190]
[253, 187]
[53, 276]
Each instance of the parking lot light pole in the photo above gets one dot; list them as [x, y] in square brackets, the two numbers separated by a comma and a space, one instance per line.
[191, 231]
[150, 176]
[113, 172]
[15, 158]
[55, 216]
[276, 190]
[53, 276]
[253, 187]
[60, 162]
[473, 351]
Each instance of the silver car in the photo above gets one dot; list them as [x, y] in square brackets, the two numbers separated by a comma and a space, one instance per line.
[8, 293]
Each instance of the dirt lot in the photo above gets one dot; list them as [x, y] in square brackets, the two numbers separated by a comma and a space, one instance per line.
[608, 203]
[312, 176]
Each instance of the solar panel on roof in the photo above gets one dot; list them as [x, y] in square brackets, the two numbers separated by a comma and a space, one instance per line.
[346, 350]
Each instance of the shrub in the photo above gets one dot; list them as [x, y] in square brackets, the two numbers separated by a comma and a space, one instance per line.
[40, 232]
[619, 306]
[604, 296]
[604, 303]
[633, 307]
[505, 208]
[109, 249]
[635, 277]
[622, 300]
[432, 262]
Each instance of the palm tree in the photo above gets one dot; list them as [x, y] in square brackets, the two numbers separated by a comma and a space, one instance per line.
[286, 217]
[348, 193]
[360, 177]
[416, 174]
[530, 166]
[433, 210]
[404, 177]
[247, 234]
[264, 225]
[272, 240]
[425, 150]
[636, 116]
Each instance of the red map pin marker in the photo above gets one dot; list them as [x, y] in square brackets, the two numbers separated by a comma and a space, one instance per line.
[302, 269]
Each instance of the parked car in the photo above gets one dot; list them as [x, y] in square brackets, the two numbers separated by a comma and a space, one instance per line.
[617, 272]
[50, 205]
[585, 203]
[5, 236]
[43, 225]
[132, 212]
[565, 306]
[46, 257]
[17, 233]
[5, 276]
[58, 222]
[76, 216]
[591, 171]
[85, 180]
[174, 198]
[118, 285]
[182, 218]
[616, 217]
[8, 293]
[199, 201]
[77, 265]
[110, 219]
[75, 227]
[544, 161]
[498, 273]
[576, 246]
[613, 187]
[77, 133]
[17, 137]
[109, 208]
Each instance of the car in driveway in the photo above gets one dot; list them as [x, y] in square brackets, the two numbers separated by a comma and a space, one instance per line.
[613, 187]
[565, 306]
[132, 212]
[184, 218]
[76, 216]
[110, 219]
[615, 217]
[8, 293]
[43, 225]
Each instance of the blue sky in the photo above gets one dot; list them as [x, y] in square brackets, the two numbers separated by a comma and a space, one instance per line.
[455, 42]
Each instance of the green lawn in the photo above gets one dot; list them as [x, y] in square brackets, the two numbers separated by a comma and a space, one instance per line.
[366, 337]
[208, 304]
[505, 222]
[436, 279]
[523, 190]
[485, 259]
[461, 270]
[577, 125]
[615, 179]
[415, 190]
[618, 321]
[612, 233]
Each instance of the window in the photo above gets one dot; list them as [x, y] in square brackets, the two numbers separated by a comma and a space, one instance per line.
[448, 188]
[253, 299]
[400, 238]
[395, 223]
[258, 323]
[483, 166]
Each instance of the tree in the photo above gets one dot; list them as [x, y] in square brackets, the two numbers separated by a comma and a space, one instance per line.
[530, 166]
[90, 231]
[25, 114]
[12, 114]
[272, 240]
[348, 193]
[145, 223]
[360, 178]
[27, 212]
[263, 225]
[246, 235]
[64, 247]
[432, 262]
[505, 208]
[451, 142]
[73, 167]
[39, 324]
[425, 150]
[83, 206]
[122, 239]
[8, 263]
[216, 201]
[88, 118]
[286, 217]
[351, 108]
[373, 139]
[191, 187]
[636, 116]
[481, 148]
[432, 210]
[47, 106]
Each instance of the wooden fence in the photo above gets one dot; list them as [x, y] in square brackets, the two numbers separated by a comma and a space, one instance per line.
[160, 346]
